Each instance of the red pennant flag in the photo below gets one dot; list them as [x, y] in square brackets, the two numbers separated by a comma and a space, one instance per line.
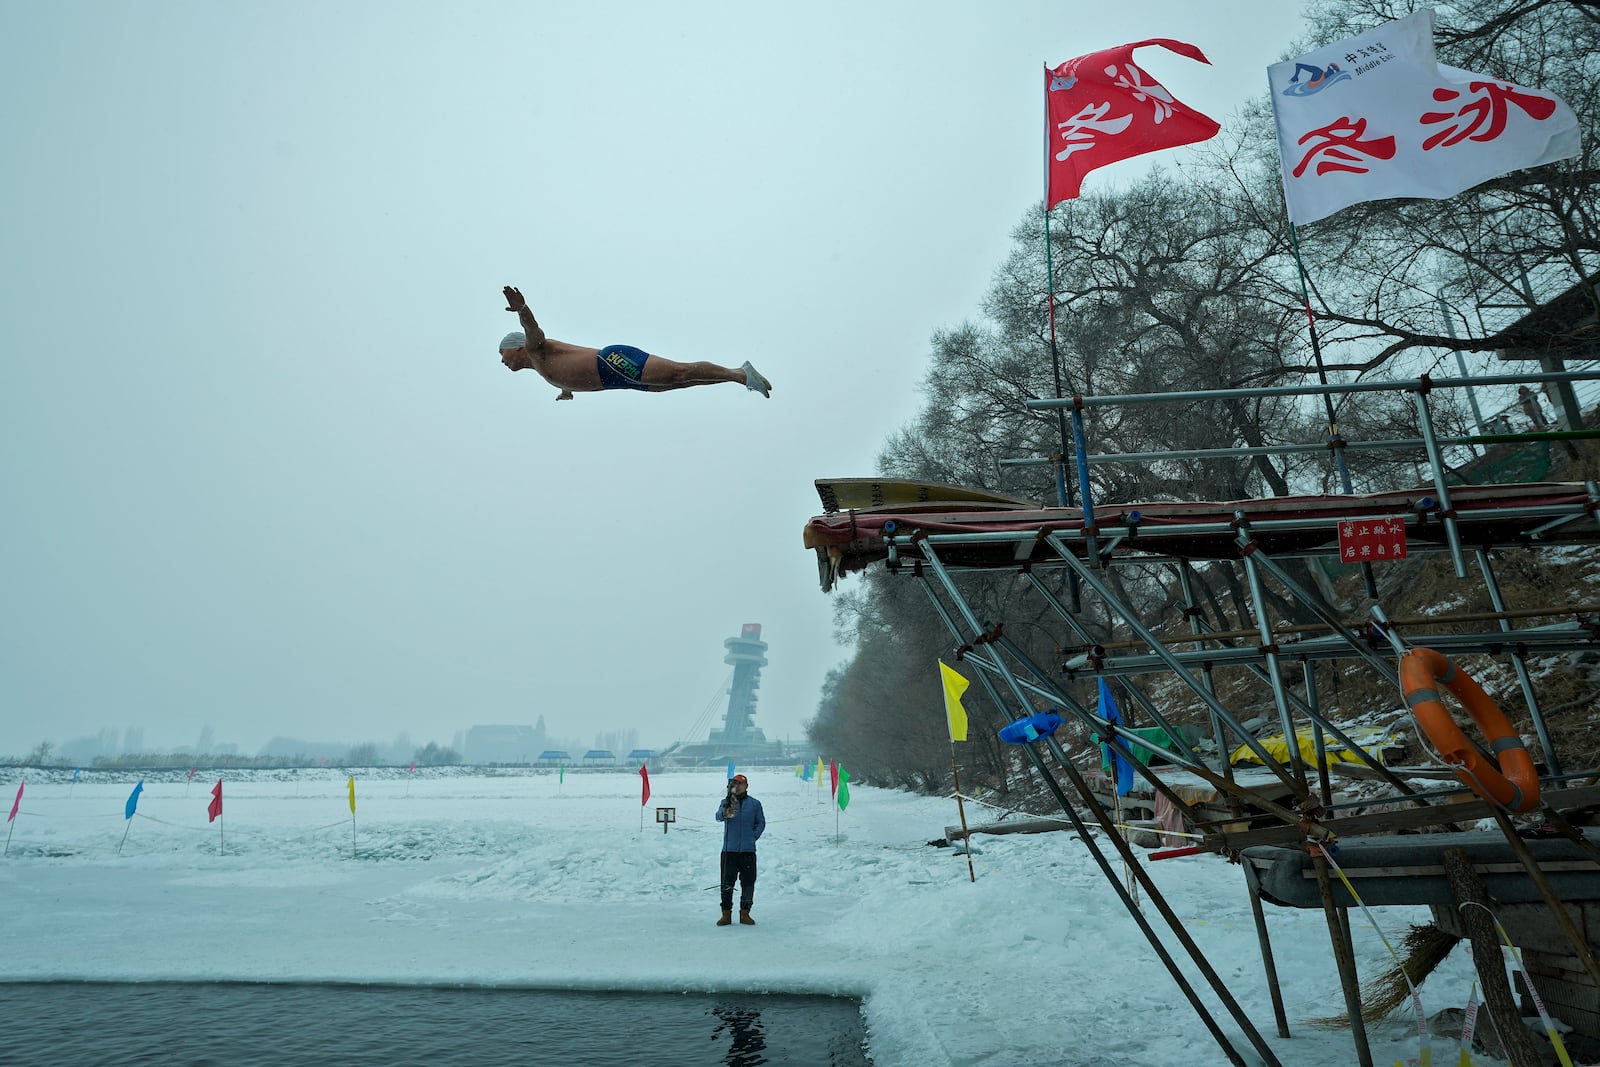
[215, 807]
[191, 774]
[15, 803]
[833, 773]
[1101, 108]
[644, 772]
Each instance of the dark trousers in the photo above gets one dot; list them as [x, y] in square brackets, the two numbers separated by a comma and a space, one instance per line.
[740, 866]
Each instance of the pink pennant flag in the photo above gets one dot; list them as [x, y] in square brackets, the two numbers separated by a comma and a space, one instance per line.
[16, 803]
[191, 774]
[644, 773]
[1102, 108]
[215, 807]
[1377, 116]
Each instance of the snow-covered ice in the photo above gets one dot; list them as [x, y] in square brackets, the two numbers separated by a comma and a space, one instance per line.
[519, 879]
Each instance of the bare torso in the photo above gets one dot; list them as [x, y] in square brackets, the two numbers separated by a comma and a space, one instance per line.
[563, 365]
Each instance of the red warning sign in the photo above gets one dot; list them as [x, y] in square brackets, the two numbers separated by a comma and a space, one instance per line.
[1372, 540]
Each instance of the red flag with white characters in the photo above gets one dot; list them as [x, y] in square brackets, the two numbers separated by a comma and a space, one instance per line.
[1377, 116]
[215, 807]
[1101, 108]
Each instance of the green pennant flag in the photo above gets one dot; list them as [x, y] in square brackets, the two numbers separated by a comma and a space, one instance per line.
[561, 776]
[844, 789]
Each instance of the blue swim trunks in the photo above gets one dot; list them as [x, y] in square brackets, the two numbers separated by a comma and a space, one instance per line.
[621, 367]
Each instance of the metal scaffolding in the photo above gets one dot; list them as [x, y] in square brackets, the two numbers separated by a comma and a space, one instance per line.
[933, 540]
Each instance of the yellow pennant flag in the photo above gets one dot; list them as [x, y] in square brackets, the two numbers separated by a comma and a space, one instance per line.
[954, 686]
[352, 794]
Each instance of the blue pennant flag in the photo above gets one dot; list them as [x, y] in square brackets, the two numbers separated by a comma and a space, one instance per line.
[1121, 769]
[76, 772]
[133, 800]
[1026, 731]
[730, 768]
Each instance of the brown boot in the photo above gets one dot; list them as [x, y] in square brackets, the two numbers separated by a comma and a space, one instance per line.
[727, 917]
[744, 917]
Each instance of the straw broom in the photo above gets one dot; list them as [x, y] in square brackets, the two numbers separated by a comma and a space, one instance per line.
[1424, 947]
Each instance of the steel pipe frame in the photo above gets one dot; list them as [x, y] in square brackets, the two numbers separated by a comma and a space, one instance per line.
[1399, 444]
[1087, 575]
[976, 630]
[1143, 539]
[1519, 665]
[1398, 385]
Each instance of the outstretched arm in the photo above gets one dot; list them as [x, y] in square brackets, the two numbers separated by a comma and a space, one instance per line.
[530, 326]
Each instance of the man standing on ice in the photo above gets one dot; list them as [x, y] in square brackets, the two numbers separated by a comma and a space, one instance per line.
[575, 368]
[742, 824]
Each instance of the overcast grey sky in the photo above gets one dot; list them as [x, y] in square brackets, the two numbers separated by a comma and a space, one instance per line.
[260, 465]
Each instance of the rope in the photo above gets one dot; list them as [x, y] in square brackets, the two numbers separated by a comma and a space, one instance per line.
[1425, 1051]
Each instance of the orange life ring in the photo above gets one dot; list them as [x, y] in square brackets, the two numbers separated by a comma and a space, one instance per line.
[1511, 781]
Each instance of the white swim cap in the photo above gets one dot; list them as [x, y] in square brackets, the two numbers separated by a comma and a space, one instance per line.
[514, 339]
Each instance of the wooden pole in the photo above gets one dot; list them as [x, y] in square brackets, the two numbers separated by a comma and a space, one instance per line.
[966, 837]
[1127, 873]
[1486, 957]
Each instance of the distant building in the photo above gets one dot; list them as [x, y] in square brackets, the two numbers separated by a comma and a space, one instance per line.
[599, 757]
[501, 744]
[552, 757]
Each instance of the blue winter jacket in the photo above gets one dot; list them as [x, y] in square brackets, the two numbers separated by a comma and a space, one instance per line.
[740, 833]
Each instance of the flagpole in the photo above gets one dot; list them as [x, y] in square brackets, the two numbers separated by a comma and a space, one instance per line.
[966, 835]
[1063, 490]
[126, 827]
[1128, 880]
[1335, 441]
[11, 828]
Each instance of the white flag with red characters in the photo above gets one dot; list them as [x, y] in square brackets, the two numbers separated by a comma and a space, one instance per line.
[1101, 108]
[1377, 116]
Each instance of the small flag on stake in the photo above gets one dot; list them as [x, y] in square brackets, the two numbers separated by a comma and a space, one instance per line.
[833, 777]
[844, 788]
[352, 794]
[644, 773]
[133, 801]
[214, 809]
[955, 714]
[10, 819]
[127, 813]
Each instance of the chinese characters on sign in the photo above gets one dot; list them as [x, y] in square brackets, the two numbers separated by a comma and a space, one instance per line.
[1372, 540]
